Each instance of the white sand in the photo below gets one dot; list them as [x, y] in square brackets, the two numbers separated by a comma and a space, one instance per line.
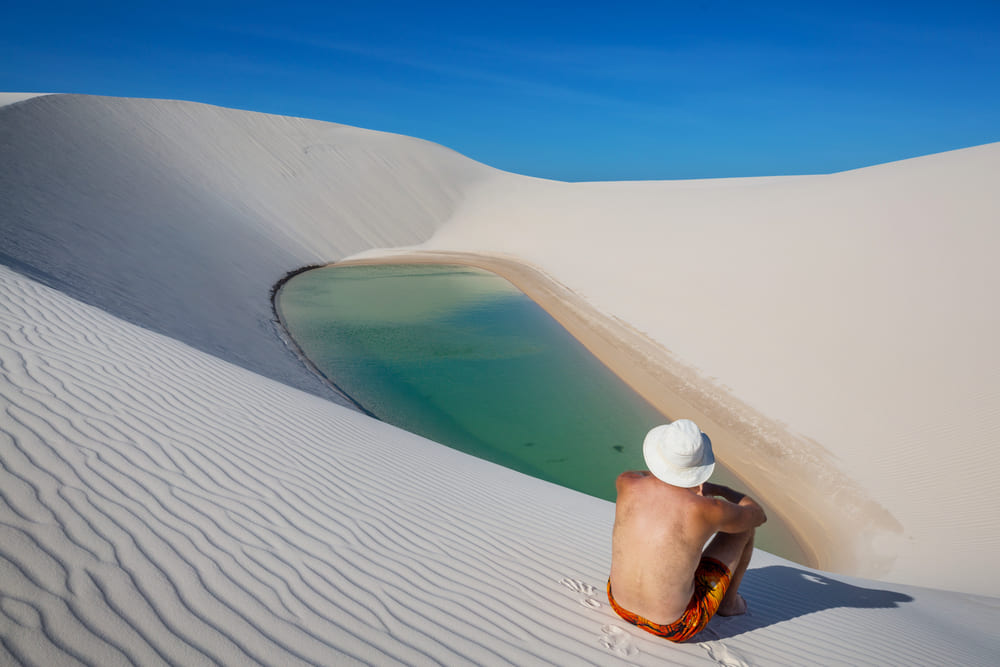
[171, 494]
[855, 310]
[13, 98]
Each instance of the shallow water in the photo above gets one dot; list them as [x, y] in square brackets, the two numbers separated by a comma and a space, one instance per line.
[461, 356]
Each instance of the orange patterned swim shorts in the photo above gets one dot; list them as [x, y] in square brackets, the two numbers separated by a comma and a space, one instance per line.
[711, 581]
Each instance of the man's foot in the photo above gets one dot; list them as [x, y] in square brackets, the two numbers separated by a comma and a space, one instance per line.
[733, 605]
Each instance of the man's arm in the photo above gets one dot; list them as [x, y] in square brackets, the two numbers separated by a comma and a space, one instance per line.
[732, 495]
[736, 513]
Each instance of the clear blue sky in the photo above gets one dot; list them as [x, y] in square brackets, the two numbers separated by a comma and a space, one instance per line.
[565, 90]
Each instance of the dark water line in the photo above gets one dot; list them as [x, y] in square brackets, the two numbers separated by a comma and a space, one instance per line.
[291, 343]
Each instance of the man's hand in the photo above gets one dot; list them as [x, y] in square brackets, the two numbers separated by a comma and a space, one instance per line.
[708, 490]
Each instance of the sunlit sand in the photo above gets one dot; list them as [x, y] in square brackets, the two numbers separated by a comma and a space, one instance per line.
[178, 487]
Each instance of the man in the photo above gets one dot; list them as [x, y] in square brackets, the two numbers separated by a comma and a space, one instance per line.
[661, 579]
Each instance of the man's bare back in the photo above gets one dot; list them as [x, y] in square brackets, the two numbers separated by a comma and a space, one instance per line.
[660, 531]
[660, 537]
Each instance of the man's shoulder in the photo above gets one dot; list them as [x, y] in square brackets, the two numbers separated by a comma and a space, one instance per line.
[642, 484]
[637, 482]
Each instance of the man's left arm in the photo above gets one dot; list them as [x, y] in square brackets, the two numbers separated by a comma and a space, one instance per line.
[750, 510]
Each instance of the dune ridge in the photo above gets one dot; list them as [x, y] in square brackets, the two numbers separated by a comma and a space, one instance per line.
[176, 492]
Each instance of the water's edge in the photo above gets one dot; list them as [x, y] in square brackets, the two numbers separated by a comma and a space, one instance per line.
[290, 342]
[788, 536]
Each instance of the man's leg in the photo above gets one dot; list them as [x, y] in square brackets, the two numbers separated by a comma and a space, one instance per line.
[733, 549]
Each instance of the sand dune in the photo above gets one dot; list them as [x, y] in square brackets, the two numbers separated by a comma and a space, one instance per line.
[13, 98]
[177, 488]
[178, 216]
[162, 505]
[841, 328]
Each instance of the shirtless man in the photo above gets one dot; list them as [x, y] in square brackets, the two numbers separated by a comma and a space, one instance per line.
[661, 578]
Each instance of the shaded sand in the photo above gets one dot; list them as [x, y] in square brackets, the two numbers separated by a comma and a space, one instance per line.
[176, 487]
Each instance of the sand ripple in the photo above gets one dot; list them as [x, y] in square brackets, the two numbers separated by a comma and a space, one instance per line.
[159, 505]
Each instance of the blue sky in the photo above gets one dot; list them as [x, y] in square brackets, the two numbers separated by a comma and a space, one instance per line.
[565, 90]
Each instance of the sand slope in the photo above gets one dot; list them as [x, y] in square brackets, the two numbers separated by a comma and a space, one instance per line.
[178, 216]
[162, 505]
[170, 494]
[14, 98]
[842, 326]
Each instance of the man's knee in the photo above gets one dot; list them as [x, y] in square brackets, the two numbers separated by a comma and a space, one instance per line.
[730, 547]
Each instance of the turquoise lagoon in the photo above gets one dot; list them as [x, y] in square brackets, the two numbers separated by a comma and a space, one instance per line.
[461, 356]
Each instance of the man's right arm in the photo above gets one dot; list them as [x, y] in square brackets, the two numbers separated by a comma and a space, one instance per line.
[738, 513]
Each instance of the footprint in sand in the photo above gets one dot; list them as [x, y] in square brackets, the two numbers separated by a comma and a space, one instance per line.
[617, 640]
[722, 654]
[585, 590]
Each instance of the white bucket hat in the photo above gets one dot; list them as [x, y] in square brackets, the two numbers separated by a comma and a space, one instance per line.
[678, 453]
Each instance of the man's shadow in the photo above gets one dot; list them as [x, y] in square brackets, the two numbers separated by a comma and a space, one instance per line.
[777, 593]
